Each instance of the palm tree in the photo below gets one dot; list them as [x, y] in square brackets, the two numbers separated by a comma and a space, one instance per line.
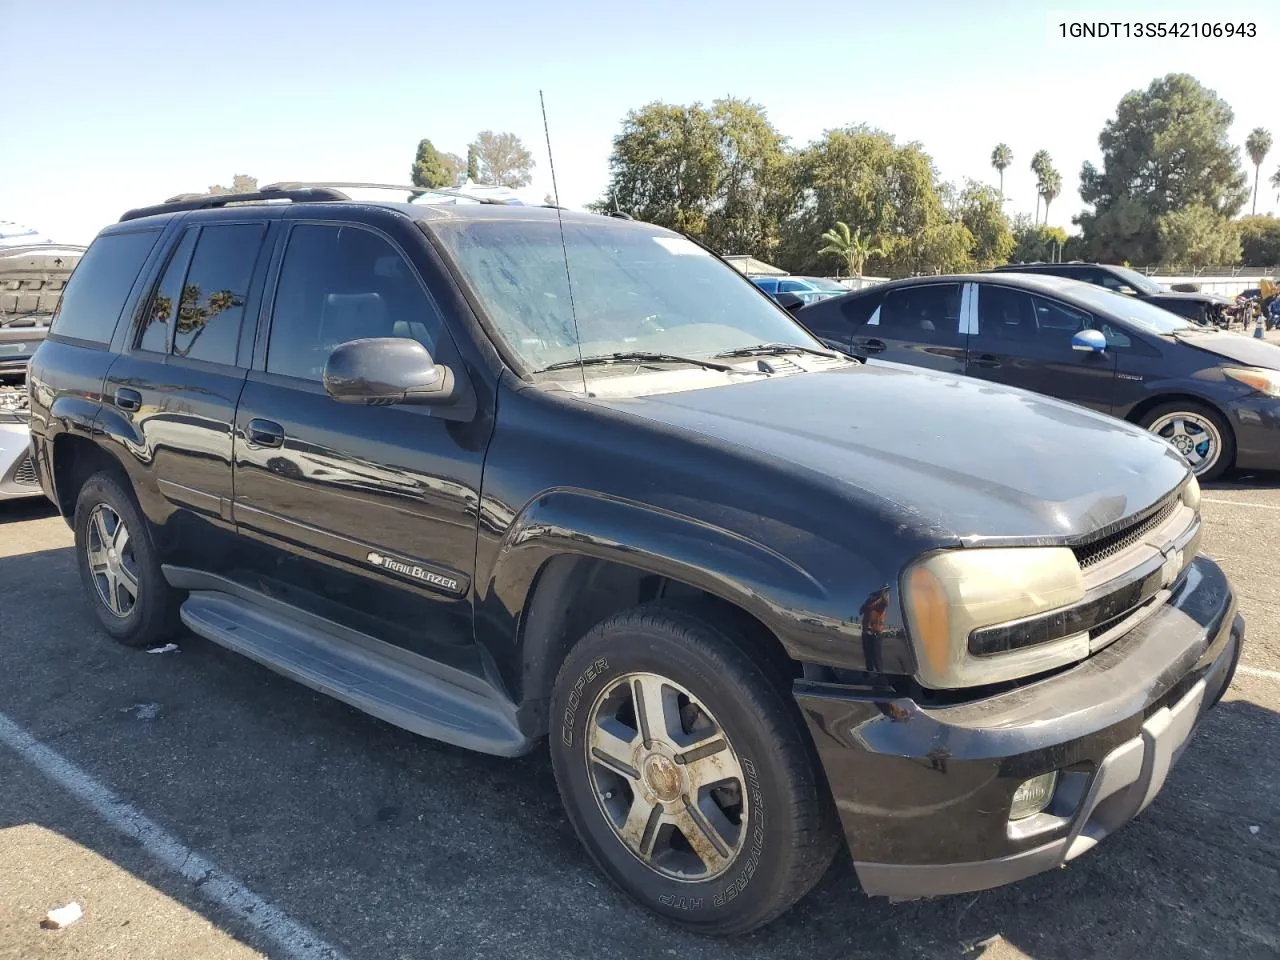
[850, 246]
[1001, 157]
[1257, 145]
[1049, 187]
[1040, 163]
[1275, 182]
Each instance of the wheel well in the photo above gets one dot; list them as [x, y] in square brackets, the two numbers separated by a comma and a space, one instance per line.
[75, 460]
[1146, 406]
[572, 594]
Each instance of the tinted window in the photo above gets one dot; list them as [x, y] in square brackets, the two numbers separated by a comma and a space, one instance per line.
[929, 313]
[339, 284]
[160, 309]
[792, 286]
[100, 285]
[1015, 315]
[858, 310]
[213, 296]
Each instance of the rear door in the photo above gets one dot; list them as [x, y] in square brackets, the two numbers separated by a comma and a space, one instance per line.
[1023, 340]
[917, 324]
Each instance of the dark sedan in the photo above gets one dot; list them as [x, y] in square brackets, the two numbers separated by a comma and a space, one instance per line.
[1215, 396]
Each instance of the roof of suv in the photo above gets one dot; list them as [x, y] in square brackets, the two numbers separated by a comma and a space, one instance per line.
[1032, 281]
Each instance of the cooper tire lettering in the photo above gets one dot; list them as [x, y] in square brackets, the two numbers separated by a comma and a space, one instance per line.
[575, 697]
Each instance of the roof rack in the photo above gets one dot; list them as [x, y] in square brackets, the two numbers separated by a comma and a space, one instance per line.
[200, 201]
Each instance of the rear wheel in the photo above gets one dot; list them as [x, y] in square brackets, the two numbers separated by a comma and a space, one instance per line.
[1199, 433]
[687, 772]
[119, 567]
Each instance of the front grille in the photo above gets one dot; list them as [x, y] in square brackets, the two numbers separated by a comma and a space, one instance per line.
[26, 472]
[1113, 543]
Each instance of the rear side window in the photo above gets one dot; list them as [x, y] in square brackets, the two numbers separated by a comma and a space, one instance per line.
[214, 292]
[164, 305]
[100, 285]
[858, 310]
[930, 313]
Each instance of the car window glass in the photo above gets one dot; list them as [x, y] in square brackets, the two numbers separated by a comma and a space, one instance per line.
[790, 286]
[160, 309]
[1006, 314]
[98, 288]
[211, 307]
[858, 310]
[929, 313]
[341, 283]
[1057, 321]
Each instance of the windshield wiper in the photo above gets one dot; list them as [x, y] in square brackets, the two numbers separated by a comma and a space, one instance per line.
[636, 357]
[773, 349]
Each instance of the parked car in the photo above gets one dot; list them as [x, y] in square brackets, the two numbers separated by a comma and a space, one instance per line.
[752, 593]
[1205, 309]
[1214, 395]
[806, 289]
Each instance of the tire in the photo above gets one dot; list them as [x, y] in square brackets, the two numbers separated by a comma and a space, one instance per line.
[1198, 421]
[145, 613]
[772, 816]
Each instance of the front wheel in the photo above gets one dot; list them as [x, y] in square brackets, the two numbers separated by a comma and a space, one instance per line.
[688, 773]
[1197, 432]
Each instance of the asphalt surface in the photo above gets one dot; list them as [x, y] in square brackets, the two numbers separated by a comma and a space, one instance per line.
[197, 805]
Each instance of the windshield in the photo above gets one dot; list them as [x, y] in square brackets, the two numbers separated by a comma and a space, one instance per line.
[635, 289]
[1146, 315]
[822, 283]
[1138, 281]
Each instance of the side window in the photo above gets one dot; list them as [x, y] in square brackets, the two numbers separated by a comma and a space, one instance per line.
[163, 305]
[1005, 314]
[929, 313]
[211, 307]
[1058, 322]
[858, 310]
[100, 285]
[340, 283]
[791, 286]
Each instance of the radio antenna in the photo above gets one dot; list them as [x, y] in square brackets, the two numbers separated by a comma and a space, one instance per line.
[564, 247]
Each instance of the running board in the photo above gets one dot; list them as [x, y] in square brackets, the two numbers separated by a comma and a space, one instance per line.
[438, 703]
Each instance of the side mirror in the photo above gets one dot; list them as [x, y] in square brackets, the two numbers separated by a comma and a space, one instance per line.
[789, 301]
[386, 370]
[1089, 341]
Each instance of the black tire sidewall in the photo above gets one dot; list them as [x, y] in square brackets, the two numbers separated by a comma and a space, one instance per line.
[1226, 457]
[760, 873]
[146, 621]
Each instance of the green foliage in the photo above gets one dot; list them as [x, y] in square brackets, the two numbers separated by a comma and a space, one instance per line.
[430, 168]
[1041, 164]
[1037, 242]
[980, 210]
[1049, 187]
[1257, 145]
[473, 163]
[502, 159]
[1259, 241]
[849, 246]
[1166, 150]
[1001, 159]
[1197, 236]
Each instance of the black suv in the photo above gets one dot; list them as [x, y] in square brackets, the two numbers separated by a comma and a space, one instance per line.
[1206, 309]
[755, 594]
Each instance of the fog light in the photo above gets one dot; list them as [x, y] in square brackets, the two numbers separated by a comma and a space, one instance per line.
[1033, 796]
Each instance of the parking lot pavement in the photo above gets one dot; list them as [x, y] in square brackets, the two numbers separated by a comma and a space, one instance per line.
[197, 805]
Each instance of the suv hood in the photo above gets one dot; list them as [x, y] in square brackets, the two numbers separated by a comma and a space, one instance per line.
[1244, 350]
[952, 457]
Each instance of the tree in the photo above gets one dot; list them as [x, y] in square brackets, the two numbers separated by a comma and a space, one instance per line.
[1259, 241]
[1050, 187]
[1275, 182]
[473, 163]
[1041, 162]
[749, 198]
[1257, 145]
[850, 246]
[1036, 243]
[1197, 236]
[979, 208]
[502, 159]
[1167, 148]
[240, 183]
[430, 169]
[456, 167]
[1001, 158]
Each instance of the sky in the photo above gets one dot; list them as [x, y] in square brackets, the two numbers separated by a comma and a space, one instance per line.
[134, 101]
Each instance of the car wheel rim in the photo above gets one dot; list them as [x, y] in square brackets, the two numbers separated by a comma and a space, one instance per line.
[1193, 436]
[112, 564]
[666, 778]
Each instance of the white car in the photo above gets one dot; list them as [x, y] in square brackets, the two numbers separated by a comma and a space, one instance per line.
[17, 470]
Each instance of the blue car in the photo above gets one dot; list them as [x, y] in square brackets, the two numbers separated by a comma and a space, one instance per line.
[808, 289]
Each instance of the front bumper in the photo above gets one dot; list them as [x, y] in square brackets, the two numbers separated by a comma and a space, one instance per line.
[924, 791]
[1255, 421]
[17, 469]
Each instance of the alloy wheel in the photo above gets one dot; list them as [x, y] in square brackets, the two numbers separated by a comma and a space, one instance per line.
[1193, 436]
[666, 777]
[112, 564]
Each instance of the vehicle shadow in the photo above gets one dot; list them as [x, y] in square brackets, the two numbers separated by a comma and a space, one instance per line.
[388, 845]
[1247, 480]
[28, 508]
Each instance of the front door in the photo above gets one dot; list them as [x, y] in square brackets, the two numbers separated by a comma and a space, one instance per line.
[1024, 340]
[363, 514]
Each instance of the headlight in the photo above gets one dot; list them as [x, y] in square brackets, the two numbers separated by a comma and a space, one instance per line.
[949, 595]
[1264, 381]
[1191, 494]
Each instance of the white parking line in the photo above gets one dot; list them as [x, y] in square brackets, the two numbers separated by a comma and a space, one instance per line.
[290, 939]
[1258, 672]
[1241, 503]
